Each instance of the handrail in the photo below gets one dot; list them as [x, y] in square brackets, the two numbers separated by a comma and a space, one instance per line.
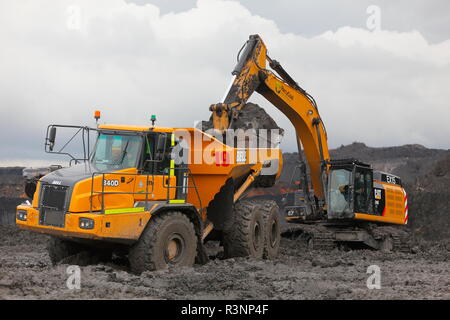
[146, 193]
[103, 192]
[194, 186]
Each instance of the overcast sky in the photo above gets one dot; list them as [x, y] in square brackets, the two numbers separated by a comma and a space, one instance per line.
[384, 83]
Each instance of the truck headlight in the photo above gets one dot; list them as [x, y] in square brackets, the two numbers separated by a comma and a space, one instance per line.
[86, 223]
[22, 215]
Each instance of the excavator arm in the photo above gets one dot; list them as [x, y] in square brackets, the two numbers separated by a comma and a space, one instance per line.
[244, 82]
[250, 75]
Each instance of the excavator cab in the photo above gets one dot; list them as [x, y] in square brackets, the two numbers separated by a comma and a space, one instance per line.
[350, 189]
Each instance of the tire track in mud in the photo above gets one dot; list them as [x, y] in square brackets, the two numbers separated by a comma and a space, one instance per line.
[26, 273]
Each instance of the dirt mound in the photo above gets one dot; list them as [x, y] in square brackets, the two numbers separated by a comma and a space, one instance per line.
[442, 167]
[430, 214]
[11, 182]
[429, 200]
[251, 116]
[437, 178]
[11, 193]
[360, 151]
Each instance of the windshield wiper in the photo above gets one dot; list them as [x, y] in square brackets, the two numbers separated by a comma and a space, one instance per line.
[124, 152]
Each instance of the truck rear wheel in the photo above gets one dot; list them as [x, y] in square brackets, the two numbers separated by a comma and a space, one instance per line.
[246, 236]
[168, 240]
[59, 249]
[271, 229]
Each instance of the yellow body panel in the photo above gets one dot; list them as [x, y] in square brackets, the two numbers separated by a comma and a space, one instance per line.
[395, 209]
[210, 177]
[134, 128]
[371, 217]
[127, 226]
[82, 192]
[301, 113]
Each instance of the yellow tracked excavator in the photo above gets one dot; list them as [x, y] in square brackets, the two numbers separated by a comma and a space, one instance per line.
[340, 201]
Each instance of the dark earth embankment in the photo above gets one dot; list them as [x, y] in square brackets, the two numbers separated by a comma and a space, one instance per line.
[11, 193]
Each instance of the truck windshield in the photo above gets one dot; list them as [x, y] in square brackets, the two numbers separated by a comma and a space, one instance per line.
[340, 191]
[116, 151]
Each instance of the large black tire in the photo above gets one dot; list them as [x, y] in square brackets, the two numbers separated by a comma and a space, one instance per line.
[168, 239]
[246, 236]
[59, 249]
[272, 235]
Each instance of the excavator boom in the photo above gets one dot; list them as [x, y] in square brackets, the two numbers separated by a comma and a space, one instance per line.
[250, 75]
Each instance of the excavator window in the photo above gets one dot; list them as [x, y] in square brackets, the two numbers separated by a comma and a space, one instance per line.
[363, 190]
[340, 191]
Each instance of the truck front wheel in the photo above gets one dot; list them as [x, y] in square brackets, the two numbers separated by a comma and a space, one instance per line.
[168, 240]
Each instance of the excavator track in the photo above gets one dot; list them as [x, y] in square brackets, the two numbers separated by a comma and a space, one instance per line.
[397, 235]
[315, 236]
[400, 244]
[327, 237]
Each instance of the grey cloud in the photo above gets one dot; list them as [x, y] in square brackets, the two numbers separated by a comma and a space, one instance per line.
[134, 61]
[311, 18]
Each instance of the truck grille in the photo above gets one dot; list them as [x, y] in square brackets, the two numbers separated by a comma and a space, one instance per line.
[52, 208]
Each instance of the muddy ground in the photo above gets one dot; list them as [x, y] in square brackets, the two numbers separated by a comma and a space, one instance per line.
[26, 273]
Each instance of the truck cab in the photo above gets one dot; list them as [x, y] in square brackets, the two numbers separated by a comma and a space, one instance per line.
[127, 168]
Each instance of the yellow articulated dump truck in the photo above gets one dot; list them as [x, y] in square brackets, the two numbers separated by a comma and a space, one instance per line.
[156, 194]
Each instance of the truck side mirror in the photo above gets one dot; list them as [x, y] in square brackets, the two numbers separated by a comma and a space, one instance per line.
[51, 138]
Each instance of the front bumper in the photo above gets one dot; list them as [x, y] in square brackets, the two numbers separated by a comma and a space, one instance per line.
[114, 227]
